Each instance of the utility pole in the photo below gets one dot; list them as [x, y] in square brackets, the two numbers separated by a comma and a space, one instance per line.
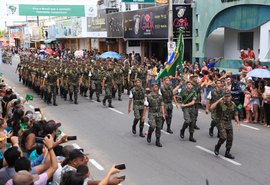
[170, 20]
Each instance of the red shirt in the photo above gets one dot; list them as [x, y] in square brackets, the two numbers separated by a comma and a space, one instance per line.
[244, 56]
[251, 55]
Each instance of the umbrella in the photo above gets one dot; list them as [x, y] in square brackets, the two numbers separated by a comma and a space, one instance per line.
[110, 54]
[259, 73]
[49, 51]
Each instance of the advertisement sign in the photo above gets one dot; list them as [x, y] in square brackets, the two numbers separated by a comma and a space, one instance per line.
[15, 33]
[35, 33]
[51, 10]
[52, 30]
[71, 28]
[146, 23]
[138, 1]
[114, 25]
[98, 23]
[182, 19]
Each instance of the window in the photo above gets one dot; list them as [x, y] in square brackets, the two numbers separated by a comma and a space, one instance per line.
[134, 43]
[197, 47]
[197, 33]
[198, 17]
[246, 40]
[128, 8]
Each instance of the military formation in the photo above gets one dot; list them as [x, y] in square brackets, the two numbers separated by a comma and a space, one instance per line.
[90, 78]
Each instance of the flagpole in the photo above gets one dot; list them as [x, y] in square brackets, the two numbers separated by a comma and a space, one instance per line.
[170, 20]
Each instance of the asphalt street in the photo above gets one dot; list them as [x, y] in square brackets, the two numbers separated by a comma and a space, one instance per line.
[106, 135]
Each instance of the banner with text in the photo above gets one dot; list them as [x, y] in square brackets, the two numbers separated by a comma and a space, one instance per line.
[51, 10]
[182, 19]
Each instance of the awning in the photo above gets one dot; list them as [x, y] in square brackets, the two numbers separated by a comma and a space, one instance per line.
[49, 41]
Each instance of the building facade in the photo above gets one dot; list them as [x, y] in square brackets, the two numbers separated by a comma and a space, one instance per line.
[224, 27]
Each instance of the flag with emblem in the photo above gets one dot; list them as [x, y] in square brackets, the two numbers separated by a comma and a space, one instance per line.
[175, 59]
[29, 97]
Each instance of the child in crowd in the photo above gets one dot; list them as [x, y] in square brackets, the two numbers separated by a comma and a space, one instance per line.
[248, 106]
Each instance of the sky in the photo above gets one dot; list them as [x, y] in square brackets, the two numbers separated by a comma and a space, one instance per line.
[3, 12]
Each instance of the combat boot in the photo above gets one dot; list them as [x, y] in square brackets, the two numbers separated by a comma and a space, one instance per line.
[191, 138]
[54, 103]
[135, 121]
[141, 132]
[182, 133]
[76, 101]
[211, 131]
[228, 154]
[149, 135]
[217, 147]
[104, 102]
[196, 127]
[70, 98]
[119, 99]
[169, 129]
[110, 105]
[158, 144]
[98, 100]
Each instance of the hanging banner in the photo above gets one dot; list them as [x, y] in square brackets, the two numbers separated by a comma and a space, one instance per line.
[71, 28]
[146, 23]
[182, 19]
[114, 25]
[51, 10]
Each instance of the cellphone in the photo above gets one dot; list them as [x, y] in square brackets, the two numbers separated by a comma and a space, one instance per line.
[70, 138]
[122, 178]
[37, 109]
[8, 140]
[120, 166]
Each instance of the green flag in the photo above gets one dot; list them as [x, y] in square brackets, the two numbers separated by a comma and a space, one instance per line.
[29, 97]
[175, 59]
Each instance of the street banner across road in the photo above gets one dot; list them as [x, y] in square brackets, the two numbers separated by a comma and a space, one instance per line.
[51, 10]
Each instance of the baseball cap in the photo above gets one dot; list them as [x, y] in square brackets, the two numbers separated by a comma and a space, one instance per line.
[24, 178]
[76, 153]
[51, 126]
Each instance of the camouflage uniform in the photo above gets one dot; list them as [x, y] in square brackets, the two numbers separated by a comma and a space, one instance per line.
[188, 96]
[118, 78]
[85, 81]
[197, 89]
[126, 69]
[142, 75]
[215, 96]
[154, 103]
[226, 112]
[108, 84]
[51, 86]
[73, 83]
[167, 95]
[95, 85]
[137, 94]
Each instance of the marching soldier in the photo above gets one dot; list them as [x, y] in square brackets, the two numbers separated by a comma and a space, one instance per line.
[119, 81]
[51, 85]
[73, 80]
[156, 112]
[197, 89]
[226, 111]
[95, 82]
[137, 95]
[168, 96]
[188, 98]
[107, 84]
[142, 75]
[213, 96]
[126, 70]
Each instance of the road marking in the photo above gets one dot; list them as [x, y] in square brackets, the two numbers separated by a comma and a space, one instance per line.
[76, 146]
[146, 124]
[31, 107]
[116, 110]
[254, 128]
[95, 163]
[224, 158]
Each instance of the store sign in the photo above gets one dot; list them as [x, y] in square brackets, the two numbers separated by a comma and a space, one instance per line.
[98, 23]
[51, 10]
[182, 19]
[138, 1]
[114, 25]
[35, 33]
[71, 28]
[146, 23]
